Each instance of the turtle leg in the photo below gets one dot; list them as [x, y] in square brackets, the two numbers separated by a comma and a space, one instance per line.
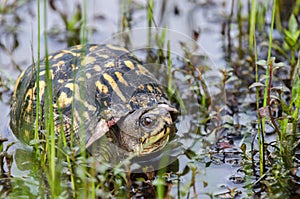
[64, 124]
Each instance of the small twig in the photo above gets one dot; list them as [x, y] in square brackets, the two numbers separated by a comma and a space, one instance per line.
[269, 98]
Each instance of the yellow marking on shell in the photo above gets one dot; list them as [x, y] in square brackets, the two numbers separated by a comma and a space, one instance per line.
[73, 66]
[97, 68]
[129, 64]
[60, 81]
[77, 96]
[63, 100]
[85, 114]
[105, 56]
[109, 64]
[121, 78]
[81, 116]
[71, 86]
[81, 79]
[51, 76]
[42, 73]
[27, 118]
[59, 63]
[158, 89]
[42, 85]
[80, 113]
[54, 105]
[101, 87]
[88, 75]
[78, 46]
[149, 88]
[88, 106]
[70, 52]
[59, 55]
[114, 86]
[92, 48]
[18, 82]
[88, 60]
[117, 48]
[128, 106]
[77, 116]
[29, 94]
[27, 133]
[142, 87]
[141, 70]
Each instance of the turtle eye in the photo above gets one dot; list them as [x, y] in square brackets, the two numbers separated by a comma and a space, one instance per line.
[147, 121]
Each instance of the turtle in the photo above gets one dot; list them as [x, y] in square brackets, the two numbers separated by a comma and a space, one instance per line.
[99, 92]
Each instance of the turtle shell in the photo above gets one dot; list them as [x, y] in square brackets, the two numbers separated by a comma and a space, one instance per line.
[92, 85]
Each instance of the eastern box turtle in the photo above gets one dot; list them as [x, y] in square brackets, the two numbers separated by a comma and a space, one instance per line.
[97, 90]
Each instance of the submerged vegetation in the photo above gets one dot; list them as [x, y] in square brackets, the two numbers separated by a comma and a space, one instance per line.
[243, 117]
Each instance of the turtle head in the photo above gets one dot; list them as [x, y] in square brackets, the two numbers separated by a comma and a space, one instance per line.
[147, 130]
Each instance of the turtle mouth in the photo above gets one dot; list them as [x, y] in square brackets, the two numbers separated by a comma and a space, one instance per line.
[154, 142]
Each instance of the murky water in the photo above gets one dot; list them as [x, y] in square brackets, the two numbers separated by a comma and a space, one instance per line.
[184, 20]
